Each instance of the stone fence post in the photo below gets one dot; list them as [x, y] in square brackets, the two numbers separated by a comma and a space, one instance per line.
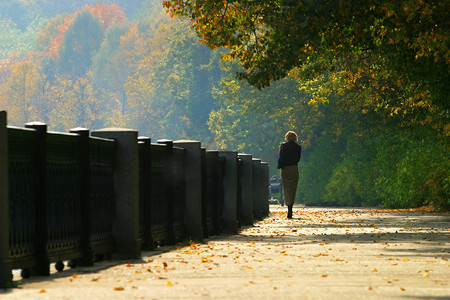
[193, 189]
[256, 187]
[145, 187]
[169, 183]
[230, 186]
[5, 267]
[86, 213]
[245, 182]
[126, 186]
[41, 227]
[265, 189]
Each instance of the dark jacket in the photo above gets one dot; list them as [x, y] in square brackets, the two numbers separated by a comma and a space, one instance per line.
[290, 154]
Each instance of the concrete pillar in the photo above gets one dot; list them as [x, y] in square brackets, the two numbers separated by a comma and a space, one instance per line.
[5, 267]
[265, 188]
[126, 187]
[256, 188]
[230, 186]
[245, 182]
[214, 192]
[204, 194]
[41, 227]
[169, 183]
[145, 186]
[193, 189]
[86, 212]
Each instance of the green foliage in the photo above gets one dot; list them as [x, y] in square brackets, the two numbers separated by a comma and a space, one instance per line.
[316, 170]
[271, 37]
[14, 40]
[353, 178]
[81, 42]
[414, 170]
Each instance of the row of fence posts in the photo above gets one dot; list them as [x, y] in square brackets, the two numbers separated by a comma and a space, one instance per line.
[82, 196]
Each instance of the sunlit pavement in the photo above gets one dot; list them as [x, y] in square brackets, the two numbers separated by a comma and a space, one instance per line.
[319, 254]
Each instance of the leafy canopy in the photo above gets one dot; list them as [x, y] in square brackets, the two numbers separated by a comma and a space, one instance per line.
[400, 42]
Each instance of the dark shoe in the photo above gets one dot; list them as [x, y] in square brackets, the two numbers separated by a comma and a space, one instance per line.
[289, 216]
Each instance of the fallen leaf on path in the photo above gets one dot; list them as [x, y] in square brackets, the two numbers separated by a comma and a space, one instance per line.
[320, 254]
[119, 288]
[42, 291]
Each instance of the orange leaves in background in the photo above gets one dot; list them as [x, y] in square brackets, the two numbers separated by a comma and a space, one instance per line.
[56, 43]
[106, 14]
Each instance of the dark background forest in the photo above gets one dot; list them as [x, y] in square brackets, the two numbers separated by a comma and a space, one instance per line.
[370, 137]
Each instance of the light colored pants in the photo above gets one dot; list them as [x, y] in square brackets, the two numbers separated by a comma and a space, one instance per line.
[289, 177]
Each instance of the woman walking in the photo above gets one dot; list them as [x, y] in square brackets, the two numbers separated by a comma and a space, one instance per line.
[290, 154]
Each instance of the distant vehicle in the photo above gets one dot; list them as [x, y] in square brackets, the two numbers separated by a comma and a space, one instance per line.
[276, 189]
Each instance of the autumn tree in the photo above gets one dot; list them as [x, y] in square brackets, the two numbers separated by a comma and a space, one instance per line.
[22, 93]
[110, 65]
[76, 105]
[169, 91]
[395, 46]
[81, 41]
[272, 37]
[106, 14]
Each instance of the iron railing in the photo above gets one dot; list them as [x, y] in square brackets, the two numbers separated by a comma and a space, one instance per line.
[61, 190]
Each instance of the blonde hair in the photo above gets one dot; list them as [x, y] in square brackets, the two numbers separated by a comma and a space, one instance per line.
[291, 136]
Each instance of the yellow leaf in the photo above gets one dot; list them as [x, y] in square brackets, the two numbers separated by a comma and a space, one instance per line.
[169, 283]
[425, 274]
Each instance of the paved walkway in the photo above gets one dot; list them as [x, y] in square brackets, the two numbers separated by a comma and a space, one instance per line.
[320, 254]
